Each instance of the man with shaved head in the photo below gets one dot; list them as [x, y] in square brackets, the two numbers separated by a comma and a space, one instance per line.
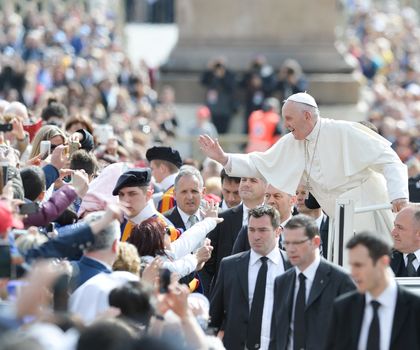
[406, 234]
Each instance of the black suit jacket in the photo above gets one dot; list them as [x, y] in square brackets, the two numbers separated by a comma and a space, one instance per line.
[347, 318]
[398, 265]
[323, 232]
[222, 239]
[174, 217]
[229, 303]
[330, 281]
[242, 242]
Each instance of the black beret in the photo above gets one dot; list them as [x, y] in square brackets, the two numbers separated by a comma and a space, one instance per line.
[311, 202]
[132, 178]
[164, 153]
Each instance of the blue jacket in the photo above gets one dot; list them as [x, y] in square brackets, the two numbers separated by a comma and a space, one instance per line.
[85, 269]
[69, 246]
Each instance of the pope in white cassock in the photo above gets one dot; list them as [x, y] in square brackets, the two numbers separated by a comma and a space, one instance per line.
[333, 158]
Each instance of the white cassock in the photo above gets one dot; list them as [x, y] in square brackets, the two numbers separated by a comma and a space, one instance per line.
[349, 161]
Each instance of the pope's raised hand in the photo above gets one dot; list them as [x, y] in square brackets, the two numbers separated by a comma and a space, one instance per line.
[212, 149]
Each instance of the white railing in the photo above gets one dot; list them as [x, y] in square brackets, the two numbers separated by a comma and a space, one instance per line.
[342, 229]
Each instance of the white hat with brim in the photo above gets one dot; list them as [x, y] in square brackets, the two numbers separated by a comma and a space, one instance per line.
[303, 97]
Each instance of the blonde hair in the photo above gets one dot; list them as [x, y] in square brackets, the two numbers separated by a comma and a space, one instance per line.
[128, 259]
[214, 185]
[47, 132]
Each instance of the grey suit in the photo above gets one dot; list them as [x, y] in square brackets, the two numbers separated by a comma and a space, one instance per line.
[229, 304]
[330, 281]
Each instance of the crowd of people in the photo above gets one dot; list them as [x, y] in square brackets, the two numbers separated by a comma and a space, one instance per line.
[383, 40]
[110, 239]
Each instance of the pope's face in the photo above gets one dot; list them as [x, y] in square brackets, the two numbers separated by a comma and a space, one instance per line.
[298, 121]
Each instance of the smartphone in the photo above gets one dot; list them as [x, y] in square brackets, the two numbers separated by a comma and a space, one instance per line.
[45, 148]
[73, 147]
[164, 280]
[5, 261]
[6, 127]
[28, 208]
[61, 293]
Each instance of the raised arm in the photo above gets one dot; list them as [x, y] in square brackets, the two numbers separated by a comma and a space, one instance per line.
[212, 149]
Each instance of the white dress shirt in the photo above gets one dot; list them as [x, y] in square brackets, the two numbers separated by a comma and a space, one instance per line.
[388, 300]
[275, 268]
[192, 238]
[416, 261]
[309, 273]
[185, 217]
[167, 182]
[245, 215]
[282, 224]
[147, 212]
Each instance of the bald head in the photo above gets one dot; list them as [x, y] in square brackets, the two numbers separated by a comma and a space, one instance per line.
[17, 109]
[406, 232]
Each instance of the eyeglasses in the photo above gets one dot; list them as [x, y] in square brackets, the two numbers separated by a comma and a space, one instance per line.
[294, 244]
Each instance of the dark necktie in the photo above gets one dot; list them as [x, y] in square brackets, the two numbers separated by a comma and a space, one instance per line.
[299, 328]
[374, 330]
[257, 306]
[411, 270]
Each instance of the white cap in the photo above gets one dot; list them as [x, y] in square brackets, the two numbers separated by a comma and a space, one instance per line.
[303, 97]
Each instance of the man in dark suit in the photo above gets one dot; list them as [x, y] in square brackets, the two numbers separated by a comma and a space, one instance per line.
[405, 258]
[282, 201]
[101, 254]
[381, 314]
[230, 191]
[242, 301]
[304, 295]
[188, 191]
[224, 235]
[308, 205]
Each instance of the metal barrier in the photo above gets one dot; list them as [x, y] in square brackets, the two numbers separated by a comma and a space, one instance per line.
[341, 230]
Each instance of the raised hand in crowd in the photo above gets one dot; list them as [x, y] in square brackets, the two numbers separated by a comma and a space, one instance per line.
[17, 129]
[210, 209]
[58, 157]
[203, 254]
[112, 212]
[212, 149]
[80, 182]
